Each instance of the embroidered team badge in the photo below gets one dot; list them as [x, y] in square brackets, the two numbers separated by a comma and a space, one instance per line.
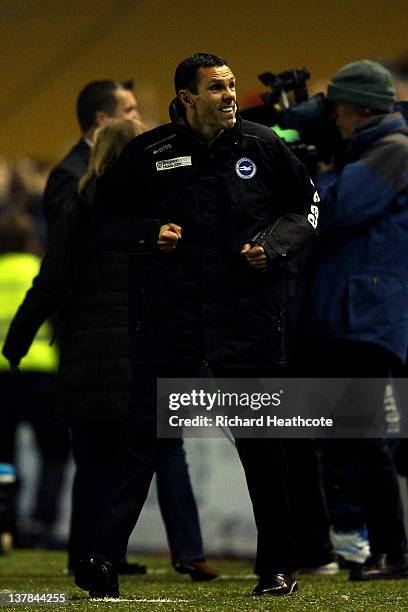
[245, 168]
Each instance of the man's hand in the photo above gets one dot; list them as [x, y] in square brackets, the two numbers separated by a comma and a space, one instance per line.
[255, 256]
[169, 235]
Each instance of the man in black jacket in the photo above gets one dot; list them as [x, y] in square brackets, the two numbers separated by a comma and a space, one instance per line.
[97, 102]
[212, 206]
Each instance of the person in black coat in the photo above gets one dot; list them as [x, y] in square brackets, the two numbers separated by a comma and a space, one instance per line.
[97, 102]
[87, 288]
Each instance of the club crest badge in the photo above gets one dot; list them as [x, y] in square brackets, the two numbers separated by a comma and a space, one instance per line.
[245, 168]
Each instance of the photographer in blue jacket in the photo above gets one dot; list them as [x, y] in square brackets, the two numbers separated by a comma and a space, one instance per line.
[354, 316]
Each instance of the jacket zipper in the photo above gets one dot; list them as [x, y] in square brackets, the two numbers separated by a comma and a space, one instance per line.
[140, 305]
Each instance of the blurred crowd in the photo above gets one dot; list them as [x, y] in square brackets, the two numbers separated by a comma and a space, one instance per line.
[22, 184]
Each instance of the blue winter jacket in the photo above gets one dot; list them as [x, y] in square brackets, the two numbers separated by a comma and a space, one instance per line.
[357, 274]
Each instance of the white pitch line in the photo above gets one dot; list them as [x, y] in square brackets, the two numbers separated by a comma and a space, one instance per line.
[120, 600]
[238, 577]
[221, 576]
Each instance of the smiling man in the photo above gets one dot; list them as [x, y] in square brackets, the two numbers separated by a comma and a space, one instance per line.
[210, 101]
[212, 207]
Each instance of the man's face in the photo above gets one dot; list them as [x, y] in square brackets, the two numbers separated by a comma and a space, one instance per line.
[347, 118]
[126, 107]
[213, 107]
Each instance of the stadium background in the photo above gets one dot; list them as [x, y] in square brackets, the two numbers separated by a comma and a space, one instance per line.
[50, 48]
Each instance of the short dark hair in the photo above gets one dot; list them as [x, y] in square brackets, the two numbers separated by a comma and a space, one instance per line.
[98, 96]
[185, 76]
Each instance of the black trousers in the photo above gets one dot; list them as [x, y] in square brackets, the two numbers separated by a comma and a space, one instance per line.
[308, 502]
[263, 460]
[371, 457]
[96, 447]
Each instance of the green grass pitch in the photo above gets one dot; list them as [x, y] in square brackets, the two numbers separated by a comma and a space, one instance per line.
[162, 589]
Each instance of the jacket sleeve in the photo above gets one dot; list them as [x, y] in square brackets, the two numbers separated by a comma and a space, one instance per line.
[298, 205]
[61, 186]
[122, 223]
[48, 291]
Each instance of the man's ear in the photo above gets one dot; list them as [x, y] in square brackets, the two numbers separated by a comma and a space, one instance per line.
[186, 98]
[100, 118]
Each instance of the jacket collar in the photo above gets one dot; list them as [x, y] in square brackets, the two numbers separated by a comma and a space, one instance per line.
[230, 136]
[373, 130]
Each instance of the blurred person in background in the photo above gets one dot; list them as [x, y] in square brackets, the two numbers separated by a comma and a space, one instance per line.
[97, 102]
[5, 184]
[88, 289]
[399, 70]
[30, 395]
[27, 188]
[354, 319]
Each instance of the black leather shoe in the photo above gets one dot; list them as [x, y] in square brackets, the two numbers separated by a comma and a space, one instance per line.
[130, 569]
[98, 576]
[124, 567]
[199, 571]
[276, 584]
[381, 567]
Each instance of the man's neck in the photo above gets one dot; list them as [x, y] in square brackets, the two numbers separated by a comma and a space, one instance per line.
[203, 133]
[89, 137]
[88, 141]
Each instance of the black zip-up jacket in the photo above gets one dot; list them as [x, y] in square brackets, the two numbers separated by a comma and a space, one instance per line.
[203, 301]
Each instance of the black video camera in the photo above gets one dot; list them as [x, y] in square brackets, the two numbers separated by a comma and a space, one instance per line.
[305, 123]
[288, 107]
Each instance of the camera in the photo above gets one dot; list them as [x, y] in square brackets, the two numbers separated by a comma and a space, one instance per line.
[302, 121]
[305, 123]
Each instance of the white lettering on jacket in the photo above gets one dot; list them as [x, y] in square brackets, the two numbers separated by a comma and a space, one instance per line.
[313, 216]
[175, 162]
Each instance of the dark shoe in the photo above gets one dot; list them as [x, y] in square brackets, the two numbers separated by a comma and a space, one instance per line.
[198, 570]
[276, 584]
[97, 576]
[124, 567]
[381, 567]
[130, 569]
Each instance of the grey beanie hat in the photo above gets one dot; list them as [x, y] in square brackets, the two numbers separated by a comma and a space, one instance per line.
[363, 83]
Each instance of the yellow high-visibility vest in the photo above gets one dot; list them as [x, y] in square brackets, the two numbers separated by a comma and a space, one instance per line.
[17, 271]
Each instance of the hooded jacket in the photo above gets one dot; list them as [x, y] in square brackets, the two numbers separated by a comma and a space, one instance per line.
[203, 301]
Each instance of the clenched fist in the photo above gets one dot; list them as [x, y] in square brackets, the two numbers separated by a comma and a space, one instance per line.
[169, 235]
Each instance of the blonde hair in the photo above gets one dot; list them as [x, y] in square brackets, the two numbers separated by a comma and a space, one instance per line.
[110, 140]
